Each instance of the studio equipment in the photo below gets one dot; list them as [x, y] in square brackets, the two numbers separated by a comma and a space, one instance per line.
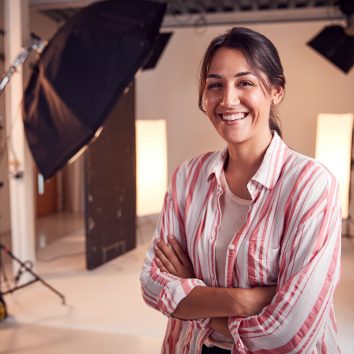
[82, 72]
[335, 42]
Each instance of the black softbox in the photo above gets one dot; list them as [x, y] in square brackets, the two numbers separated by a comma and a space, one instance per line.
[336, 46]
[81, 74]
[335, 42]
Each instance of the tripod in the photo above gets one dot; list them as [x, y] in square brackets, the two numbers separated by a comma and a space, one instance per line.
[25, 267]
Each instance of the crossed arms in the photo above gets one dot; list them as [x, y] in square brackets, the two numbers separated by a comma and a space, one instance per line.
[208, 302]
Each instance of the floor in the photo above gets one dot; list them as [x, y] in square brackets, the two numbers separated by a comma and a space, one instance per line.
[104, 311]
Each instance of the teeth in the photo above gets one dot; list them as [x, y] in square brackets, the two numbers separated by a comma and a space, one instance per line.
[234, 116]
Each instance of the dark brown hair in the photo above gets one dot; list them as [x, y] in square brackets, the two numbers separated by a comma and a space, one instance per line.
[261, 56]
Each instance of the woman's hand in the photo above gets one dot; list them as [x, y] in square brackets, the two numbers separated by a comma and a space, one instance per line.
[220, 325]
[204, 302]
[255, 299]
[171, 258]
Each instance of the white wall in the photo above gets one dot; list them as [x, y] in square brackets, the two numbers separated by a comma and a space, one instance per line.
[313, 86]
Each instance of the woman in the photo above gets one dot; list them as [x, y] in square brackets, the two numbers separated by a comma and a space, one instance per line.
[246, 253]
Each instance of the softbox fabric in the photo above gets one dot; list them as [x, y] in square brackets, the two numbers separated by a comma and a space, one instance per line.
[336, 46]
[82, 72]
[156, 52]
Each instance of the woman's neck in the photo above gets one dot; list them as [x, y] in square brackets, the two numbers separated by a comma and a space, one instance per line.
[242, 163]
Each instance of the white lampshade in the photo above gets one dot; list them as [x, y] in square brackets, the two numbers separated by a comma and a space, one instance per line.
[333, 149]
[151, 150]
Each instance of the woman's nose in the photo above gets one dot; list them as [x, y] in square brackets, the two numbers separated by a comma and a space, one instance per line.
[230, 97]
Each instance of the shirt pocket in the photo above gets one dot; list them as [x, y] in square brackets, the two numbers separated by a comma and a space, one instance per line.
[263, 265]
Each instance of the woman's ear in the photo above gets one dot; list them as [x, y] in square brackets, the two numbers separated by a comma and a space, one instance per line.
[203, 104]
[277, 94]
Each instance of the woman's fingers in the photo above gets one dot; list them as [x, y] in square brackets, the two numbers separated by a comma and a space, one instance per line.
[173, 259]
[185, 268]
[184, 259]
[164, 260]
[169, 253]
[161, 266]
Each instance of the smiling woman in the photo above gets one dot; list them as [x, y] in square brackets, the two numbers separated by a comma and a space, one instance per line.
[237, 103]
[262, 59]
[245, 256]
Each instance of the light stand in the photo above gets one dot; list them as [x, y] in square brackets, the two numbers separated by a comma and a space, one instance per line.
[37, 45]
[25, 267]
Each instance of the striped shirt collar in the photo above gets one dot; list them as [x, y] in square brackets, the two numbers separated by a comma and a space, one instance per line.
[269, 171]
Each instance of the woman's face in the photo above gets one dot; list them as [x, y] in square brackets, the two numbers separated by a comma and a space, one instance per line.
[235, 100]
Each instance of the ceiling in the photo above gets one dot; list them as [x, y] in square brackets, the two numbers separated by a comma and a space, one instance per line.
[181, 13]
[200, 13]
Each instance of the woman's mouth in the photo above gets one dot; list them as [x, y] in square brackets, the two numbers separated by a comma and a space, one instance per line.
[230, 117]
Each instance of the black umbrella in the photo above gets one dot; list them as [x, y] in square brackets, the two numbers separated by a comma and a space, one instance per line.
[82, 72]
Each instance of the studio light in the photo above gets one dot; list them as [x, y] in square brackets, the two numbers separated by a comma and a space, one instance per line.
[151, 153]
[333, 148]
[159, 46]
[336, 43]
[82, 72]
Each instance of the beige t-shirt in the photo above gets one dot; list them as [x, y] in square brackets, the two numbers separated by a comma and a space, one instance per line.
[234, 211]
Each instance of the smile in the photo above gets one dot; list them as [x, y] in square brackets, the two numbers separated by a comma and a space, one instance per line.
[229, 117]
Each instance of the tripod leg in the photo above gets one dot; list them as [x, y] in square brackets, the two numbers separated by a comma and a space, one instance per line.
[3, 311]
[36, 276]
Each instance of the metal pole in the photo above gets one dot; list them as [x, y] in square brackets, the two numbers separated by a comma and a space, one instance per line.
[20, 162]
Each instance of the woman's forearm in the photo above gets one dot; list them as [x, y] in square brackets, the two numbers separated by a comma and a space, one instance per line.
[207, 302]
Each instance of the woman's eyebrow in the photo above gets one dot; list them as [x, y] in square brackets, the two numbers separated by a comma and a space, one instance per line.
[242, 73]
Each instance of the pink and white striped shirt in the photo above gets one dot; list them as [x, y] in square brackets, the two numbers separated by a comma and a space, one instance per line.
[291, 239]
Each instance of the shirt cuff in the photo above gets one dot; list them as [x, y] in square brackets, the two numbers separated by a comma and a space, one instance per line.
[174, 292]
[203, 323]
[234, 324]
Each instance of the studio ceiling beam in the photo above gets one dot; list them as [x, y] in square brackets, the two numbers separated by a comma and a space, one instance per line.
[262, 16]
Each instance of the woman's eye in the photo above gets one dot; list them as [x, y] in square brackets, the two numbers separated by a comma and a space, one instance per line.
[246, 83]
[214, 85]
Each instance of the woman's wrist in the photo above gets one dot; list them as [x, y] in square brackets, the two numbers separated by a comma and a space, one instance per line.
[241, 298]
[251, 301]
[208, 302]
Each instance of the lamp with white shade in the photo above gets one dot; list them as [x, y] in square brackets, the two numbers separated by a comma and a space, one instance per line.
[151, 152]
[334, 148]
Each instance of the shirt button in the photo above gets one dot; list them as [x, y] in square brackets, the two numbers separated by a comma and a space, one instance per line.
[232, 247]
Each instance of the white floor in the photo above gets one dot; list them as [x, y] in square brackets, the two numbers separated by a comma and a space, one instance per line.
[105, 312]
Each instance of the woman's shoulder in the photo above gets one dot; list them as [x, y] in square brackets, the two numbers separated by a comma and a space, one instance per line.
[300, 164]
[203, 162]
[309, 176]
[194, 173]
